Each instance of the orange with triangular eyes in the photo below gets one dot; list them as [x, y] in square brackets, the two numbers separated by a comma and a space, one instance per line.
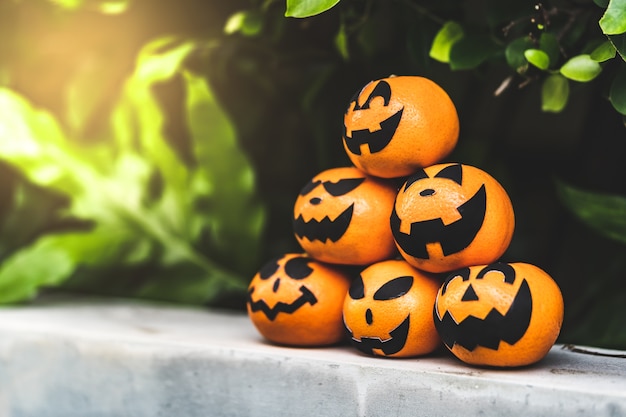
[499, 314]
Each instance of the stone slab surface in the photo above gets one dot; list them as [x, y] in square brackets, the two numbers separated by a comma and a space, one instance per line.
[66, 359]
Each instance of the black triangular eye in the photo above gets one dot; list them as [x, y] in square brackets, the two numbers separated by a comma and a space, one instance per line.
[470, 294]
[452, 172]
[342, 187]
[269, 268]
[395, 288]
[357, 289]
[309, 187]
[298, 268]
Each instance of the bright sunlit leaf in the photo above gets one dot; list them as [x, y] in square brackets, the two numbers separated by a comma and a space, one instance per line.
[554, 93]
[581, 68]
[613, 22]
[307, 8]
[450, 33]
[246, 22]
[603, 52]
[538, 58]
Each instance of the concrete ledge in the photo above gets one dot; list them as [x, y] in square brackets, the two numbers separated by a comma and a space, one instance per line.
[126, 359]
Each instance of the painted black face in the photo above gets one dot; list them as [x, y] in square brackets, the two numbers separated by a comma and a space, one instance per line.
[453, 237]
[392, 289]
[494, 328]
[378, 139]
[326, 229]
[295, 268]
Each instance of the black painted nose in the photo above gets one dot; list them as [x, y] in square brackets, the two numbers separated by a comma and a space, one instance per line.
[427, 192]
[315, 201]
[368, 316]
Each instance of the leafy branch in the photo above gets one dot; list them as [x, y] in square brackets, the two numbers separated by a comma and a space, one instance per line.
[144, 203]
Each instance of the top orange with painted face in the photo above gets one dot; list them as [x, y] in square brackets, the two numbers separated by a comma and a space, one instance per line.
[396, 125]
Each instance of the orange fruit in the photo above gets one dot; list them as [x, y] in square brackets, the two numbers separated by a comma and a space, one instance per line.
[502, 315]
[396, 125]
[297, 301]
[342, 216]
[388, 310]
[448, 216]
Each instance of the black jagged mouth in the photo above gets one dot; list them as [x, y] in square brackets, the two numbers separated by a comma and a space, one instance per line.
[394, 344]
[453, 238]
[376, 140]
[306, 297]
[490, 331]
[325, 229]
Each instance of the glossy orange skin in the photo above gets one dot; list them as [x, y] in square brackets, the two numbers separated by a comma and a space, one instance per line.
[545, 312]
[368, 237]
[314, 323]
[443, 201]
[387, 315]
[427, 132]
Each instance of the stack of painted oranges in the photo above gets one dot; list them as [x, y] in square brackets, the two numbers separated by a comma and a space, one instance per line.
[401, 250]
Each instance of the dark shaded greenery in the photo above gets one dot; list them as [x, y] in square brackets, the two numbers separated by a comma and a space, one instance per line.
[556, 144]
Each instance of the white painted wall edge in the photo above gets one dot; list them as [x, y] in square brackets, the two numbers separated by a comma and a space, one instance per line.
[119, 358]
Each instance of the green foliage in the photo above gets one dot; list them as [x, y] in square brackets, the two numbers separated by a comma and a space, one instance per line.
[142, 203]
[307, 8]
[558, 29]
[554, 93]
[446, 37]
[604, 213]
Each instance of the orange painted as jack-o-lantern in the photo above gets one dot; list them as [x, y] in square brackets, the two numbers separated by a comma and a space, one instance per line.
[396, 125]
[294, 300]
[499, 314]
[449, 216]
[388, 310]
[342, 216]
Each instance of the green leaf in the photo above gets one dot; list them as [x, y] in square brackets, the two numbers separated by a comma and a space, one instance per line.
[604, 213]
[341, 42]
[42, 264]
[307, 8]
[603, 52]
[554, 93]
[617, 94]
[514, 53]
[471, 51]
[613, 22]
[225, 176]
[581, 68]
[246, 22]
[450, 33]
[538, 58]
[550, 45]
[32, 141]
